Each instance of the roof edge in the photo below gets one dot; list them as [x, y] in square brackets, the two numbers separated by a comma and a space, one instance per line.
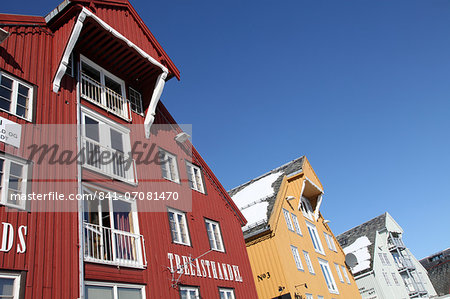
[12, 19]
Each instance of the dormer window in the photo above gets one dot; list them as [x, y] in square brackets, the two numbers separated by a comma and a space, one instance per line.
[103, 89]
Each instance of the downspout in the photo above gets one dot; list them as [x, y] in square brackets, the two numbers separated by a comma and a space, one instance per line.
[151, 111]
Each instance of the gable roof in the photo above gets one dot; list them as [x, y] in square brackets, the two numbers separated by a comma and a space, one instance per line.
[256, 198]
[368, 229]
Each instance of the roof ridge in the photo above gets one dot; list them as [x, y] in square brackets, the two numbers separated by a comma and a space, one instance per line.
[265, 174]
[361, 224]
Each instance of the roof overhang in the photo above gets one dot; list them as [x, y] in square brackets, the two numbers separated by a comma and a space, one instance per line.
[95, 35]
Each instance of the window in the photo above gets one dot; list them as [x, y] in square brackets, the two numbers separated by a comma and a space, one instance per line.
[194, 174]
[319, 297]
[226, 293]
[94, 290]
[330, 241]
[136, 101]
[345, 274]
[70, 68]
[189, 292]
[169, 166]
[306, 208]
[111, 229]
[328, 276]
[103, 89]
[214, 235]
[178, 227]
[386, 278]
[9, 286]
[287, 217]
[308, 262]
[339, 273]
[16, 96]
[386, 259]
[107, 147]
[13, 181]
[309, 296]
[394, 277]
[315, 237]
[296, 224]
[298, 261]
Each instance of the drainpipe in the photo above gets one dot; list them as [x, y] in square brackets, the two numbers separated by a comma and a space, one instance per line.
[151, 112]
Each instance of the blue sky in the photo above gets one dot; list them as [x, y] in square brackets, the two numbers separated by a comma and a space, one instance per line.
[359, 87]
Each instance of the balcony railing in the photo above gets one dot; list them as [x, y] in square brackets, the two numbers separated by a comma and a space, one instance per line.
[115, 247]
[404, 263]
[108, 161]
[104, 97]
[394, 242]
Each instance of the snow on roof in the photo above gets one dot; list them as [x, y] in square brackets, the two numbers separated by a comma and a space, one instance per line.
[360, 248]
[251, 200]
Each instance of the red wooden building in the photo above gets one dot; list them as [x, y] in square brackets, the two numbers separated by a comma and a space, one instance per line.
[150, 220]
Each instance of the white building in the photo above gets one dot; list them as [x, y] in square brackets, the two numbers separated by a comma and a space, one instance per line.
[384, 268]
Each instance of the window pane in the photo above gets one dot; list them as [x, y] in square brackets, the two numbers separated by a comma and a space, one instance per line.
[99, 292]
[23, 90]
[113, 85]
[129, 293]
[5, 104]
[116, 140]
[173, 227]
[92, 129]
[7, 83]
[90, 72]
[6, 286]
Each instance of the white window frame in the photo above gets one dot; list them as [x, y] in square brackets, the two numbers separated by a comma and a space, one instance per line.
[190, 288]
[309, 296]
[225, 292]
[330, 242]
[16, 287]
[172, 170]
[386, 259]
[394, 277]
[116, 286]
[136, 101]
[338, 270]
[317, 243]
[196, 177]
[213, 230]
[319, 297]
[386, 278]
[296, 224]
[345, 274]
[179, 226]
[4, 184]
[297, 259]
[287, 217]
[307, 210]
[309, 262]
[14, 94]
[105, 126]
[328, 276]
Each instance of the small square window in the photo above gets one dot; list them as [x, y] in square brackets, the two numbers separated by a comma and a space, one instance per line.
[169, 166]
[179, 227]
[136, 101]
[13, 182]
[9, 286]
[194, 174]
[16, 96]
[189, 292]
[226, 293]
[214, 235]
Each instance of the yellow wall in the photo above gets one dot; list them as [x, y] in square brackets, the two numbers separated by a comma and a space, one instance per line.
[272, 253]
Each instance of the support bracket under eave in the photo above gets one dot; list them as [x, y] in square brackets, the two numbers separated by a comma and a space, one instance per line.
[151, 111]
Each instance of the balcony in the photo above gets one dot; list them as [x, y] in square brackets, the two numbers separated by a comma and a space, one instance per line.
[404, 263]
[108, 161]
[395, 243]
[113, 247]
[104, 97]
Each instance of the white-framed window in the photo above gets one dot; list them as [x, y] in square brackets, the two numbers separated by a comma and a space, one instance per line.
[330, 242]
[169, 167]
[338, 270]
[103, 88]
[111, 228]
[187, 292]
[315, 237]
[319, 297]
[13, 181]
[214, 235]
[194, 174]
[386, 278]
[16, 96]
[104, 290]
[344, 270]
[386, 259]
[107, 146]
[135, 101]
[296, 224]
[328, 276]
[307, 210]
[9, 285]
[178, 227]
[226, 293]
[296, 255]
[309, 296]
[394, 277]
[287, 217]
[308, 262]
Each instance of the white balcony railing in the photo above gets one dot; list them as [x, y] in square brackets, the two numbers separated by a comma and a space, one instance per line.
[104, 97]
[108, 161]
[394, 242]
[111, 246]
[404, 263]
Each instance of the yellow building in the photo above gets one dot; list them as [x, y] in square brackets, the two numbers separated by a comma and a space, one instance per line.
[292, 251]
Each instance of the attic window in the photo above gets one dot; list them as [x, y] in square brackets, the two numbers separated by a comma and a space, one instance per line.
[306, 208]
